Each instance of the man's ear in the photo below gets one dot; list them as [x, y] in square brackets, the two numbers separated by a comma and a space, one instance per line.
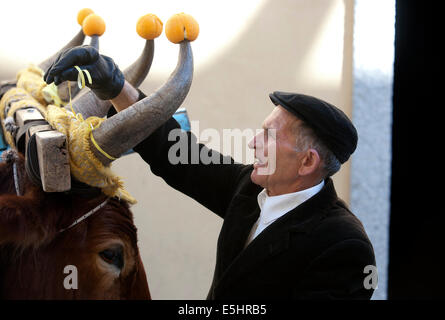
[309, 163]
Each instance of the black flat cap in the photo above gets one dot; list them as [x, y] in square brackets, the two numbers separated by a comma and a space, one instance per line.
[329, 123]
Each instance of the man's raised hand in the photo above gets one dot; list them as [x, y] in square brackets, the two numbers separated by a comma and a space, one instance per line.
[107, 79]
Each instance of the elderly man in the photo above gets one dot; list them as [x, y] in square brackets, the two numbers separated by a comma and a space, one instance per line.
[286, 234]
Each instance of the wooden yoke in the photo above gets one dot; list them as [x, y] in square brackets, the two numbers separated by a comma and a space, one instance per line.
[49, 149]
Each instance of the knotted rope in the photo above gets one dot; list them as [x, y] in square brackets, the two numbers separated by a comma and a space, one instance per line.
[84, 165]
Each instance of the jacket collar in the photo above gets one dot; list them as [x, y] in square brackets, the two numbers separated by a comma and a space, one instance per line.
[273, 207]
[301, 218]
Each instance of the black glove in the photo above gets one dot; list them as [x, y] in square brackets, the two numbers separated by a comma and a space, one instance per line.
[108, 80]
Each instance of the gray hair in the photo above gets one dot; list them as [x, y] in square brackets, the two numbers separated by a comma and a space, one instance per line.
[307, 139]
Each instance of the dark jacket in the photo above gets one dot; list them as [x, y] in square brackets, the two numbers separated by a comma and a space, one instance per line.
[316, 251]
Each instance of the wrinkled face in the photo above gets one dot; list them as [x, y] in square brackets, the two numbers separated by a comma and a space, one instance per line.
[96, 259]
[277, 162]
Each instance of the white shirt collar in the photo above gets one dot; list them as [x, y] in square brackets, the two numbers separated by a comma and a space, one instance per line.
[274, 207]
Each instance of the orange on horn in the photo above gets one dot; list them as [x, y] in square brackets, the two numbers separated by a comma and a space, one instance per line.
[181, 26]
[93, 25]
[149, 26]
[82, 14]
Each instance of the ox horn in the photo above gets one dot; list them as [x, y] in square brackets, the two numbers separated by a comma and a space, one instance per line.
[94, 29]
[76, 41]
[88, 104]
[86, 101]
[129, 127]
[137, 72]
[148, 27]
[89, 29]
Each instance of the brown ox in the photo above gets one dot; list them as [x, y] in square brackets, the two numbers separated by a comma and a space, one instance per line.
[34, 253]
[34, 249]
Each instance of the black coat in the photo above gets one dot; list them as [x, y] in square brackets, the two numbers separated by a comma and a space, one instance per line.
[316, 251]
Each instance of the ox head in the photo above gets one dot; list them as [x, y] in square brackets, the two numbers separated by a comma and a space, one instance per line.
[95, 259]
[42, 253]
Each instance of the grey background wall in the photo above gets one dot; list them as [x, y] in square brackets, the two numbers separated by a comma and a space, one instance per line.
[245, 51]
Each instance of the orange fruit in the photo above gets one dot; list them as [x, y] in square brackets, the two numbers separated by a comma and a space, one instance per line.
[181, 26]
[93, 25]
[149, 26]
[83, 13]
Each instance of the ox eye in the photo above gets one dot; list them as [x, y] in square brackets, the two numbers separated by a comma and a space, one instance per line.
[113, 256]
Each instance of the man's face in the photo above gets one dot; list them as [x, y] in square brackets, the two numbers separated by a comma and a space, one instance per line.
[277, 161]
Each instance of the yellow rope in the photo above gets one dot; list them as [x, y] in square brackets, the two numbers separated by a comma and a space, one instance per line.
[50, 93]
[81, 84]
[16, 99]
[84, 165]
[31, 79]
[99, 148]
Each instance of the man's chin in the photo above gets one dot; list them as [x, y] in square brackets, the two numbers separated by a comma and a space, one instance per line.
[257, 178]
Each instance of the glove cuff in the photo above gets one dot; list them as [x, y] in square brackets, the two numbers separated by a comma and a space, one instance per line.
[112, 88]
[116, 85]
